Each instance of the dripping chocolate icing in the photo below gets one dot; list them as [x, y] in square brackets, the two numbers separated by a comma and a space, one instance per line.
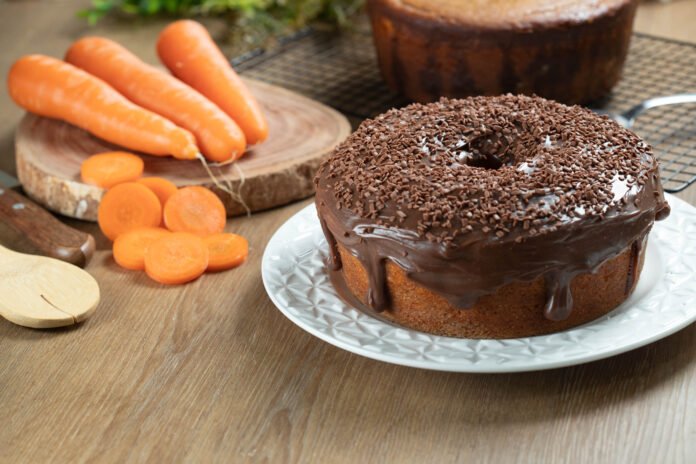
[467, 196]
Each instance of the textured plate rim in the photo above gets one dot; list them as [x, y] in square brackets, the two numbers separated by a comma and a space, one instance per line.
[464, 367]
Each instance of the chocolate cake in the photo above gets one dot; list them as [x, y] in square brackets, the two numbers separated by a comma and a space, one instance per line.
[489, 217]
[566, 50]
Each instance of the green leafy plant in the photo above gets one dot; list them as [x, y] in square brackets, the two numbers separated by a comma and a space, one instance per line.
[254, 20]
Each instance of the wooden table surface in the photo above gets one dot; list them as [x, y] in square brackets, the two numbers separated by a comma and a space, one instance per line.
[211, 371]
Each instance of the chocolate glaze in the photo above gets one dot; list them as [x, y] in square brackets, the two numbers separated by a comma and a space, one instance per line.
[481, 264]
[636, 250]
[477, 262]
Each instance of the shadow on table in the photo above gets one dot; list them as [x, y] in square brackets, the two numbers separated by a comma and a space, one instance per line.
[371, 391]
[536, 396]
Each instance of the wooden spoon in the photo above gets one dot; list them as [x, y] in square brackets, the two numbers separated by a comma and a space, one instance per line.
[43, 292]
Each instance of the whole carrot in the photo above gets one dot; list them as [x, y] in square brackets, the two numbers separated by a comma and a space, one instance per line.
[218, 136]
[52, 88]
[187, 50]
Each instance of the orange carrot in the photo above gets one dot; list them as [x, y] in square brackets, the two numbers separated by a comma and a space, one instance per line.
[129, 248]
[161, 187]
[176, 258]
[49, 87]
[196, 210]
[127, 207]
[111, 168]
[226, 251]
[187, 50]
[218, 136]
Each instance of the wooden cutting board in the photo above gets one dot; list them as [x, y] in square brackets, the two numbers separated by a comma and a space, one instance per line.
[280, 170]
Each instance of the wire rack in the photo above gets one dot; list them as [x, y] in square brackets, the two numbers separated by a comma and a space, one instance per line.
[340, 70]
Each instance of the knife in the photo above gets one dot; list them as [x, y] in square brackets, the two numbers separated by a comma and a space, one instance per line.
[45, 232]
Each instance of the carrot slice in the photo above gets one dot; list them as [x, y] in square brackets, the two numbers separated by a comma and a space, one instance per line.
[111, 168]
[226, 251]
[129, 248]
[176, 258]
[127, 207]
[161, 187]
[196, 210]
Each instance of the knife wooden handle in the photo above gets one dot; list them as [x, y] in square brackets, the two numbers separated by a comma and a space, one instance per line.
[47, 234]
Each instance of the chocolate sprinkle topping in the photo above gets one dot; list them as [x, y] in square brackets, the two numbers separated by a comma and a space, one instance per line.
[491, 164]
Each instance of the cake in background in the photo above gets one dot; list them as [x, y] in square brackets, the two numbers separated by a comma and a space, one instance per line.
[571, 51]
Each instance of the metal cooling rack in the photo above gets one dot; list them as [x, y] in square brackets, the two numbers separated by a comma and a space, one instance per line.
[340, 70]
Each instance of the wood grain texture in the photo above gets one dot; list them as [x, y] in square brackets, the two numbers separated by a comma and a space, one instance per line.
[280, 170]
[47, 235]
[41, 292]
[212, 372]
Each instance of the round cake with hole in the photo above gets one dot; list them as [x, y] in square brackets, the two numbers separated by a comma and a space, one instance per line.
[488, 217]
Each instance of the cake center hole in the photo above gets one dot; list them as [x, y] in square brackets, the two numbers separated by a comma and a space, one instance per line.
[489, 152]
[485, 161]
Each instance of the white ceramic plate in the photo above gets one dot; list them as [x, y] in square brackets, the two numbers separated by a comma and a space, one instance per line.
[664, 302]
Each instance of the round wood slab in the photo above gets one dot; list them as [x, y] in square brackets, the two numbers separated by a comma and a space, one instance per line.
[280, 170]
